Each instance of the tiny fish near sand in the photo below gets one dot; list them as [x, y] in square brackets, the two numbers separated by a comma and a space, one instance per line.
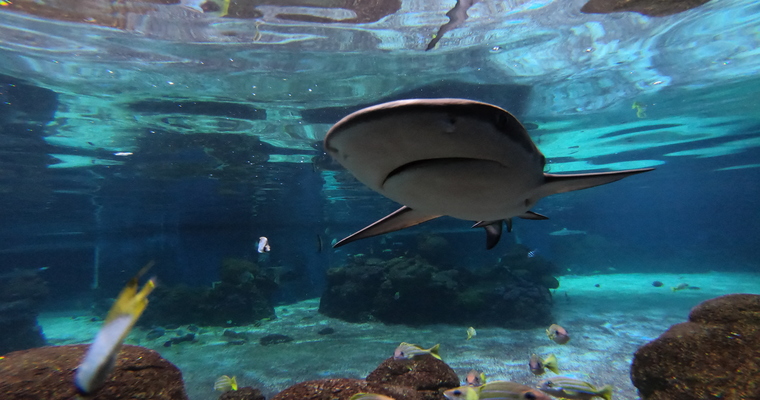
[538, 366]
[471, 333]
[558, 334]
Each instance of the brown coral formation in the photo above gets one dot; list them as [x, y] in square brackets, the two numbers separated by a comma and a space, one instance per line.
[421, 378]
[410, 290]
[715, 355]
[48, 373]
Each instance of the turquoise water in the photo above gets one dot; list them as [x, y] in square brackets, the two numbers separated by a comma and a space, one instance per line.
[134, 131]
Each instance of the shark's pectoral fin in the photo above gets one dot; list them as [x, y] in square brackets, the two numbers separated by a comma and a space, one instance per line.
[533, 215]
[565, 183]
[493, 231]
[402, 218]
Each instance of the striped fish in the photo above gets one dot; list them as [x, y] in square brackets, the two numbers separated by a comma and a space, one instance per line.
[224, 383]
[574, 389]
[496, 390]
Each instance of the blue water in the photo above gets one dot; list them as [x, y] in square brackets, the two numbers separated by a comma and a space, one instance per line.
[179, 136]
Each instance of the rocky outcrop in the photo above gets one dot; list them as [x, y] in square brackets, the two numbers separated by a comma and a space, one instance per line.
[715, 355]
[421, 378]
[241, 297]
[48, 373]
[409, 290]
[20, 299]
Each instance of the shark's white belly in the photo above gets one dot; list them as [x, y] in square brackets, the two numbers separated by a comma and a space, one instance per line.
[469, 189]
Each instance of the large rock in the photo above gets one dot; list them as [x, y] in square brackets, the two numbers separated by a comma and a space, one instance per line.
[716, 355]
[48, 373]
[426, 374]
[342, 389]
[421, 378]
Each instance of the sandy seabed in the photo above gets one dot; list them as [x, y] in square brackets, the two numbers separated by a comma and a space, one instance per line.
[607, 324]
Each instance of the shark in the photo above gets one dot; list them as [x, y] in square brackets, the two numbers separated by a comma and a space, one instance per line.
[451, 157]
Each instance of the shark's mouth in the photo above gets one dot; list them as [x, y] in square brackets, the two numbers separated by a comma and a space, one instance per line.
[429, 163]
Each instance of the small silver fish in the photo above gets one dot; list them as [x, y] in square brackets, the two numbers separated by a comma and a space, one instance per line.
[407, 351]
[574, 389]
[532, 253]
[263, 245]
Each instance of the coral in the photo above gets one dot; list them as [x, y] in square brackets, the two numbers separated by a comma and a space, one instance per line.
[421, 378]
[715, 355]
[48, 373]
[410, 290]
[423, 373]
[241, 297]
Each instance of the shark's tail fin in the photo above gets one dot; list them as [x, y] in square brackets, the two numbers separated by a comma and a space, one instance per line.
[566, 183]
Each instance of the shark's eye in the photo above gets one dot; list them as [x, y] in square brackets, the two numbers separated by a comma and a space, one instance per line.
[457, 393]
[530, 396]
[549, 384]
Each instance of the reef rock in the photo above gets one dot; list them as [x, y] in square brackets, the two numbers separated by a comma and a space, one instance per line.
[343, 389]
[48, 373]
[20, 300]
[425, 374]
[409, 290]
[715, 355]
[241, 297]
[243, 393]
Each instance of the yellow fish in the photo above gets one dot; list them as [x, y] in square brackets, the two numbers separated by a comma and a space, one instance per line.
[539, 367]
[370, 396]
[471, 333]
[101, 355]
[640, 109]
[224, 383]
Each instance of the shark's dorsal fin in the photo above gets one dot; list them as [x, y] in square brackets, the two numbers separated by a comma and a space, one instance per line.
[402, 218]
